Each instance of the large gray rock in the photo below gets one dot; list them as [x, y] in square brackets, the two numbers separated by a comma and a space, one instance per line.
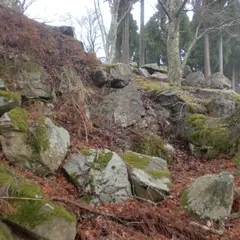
[160, 76]
[149, 175]
[123, 107]
[39, 148]
[170, 100]
[186, 70]
[101, 172]
[32, 81]
[144, 72]
[116, 75]
[221, 107]
[196, 79]
[56, 228]
[219, 81]
[66, 30]
[210, 196]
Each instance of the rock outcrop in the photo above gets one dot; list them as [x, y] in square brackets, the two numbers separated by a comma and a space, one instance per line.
[210, 196]
[115, 75]
[100, 174]
[122, 107]
[39, 147]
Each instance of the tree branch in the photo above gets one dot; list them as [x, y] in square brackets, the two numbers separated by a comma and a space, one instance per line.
[181, 8]
[126, 12]
[197, 37]
[164, 9]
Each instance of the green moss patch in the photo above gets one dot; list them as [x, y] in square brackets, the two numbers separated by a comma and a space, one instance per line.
[196, 108]
[236, 160]
[86, 152]
[153, 86]
[87, 198]
[17, 185]
[101, 160]
[5, 233]
[135, 160]
[28, 213]
[19, 118]
[197, 120]
[15, 96]
[158, 174]
[235, 97]
[212, 137]
[209, 134]
[184, 197]
[153, 145]
[38, 138]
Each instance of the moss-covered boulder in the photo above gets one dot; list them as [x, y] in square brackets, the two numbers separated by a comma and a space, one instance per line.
[210, 196]
[150, 177]
[153, 145]
[210, 135]
[100, 174]
[39, 147]
[8, 101]
[116, 75]
[37, 216]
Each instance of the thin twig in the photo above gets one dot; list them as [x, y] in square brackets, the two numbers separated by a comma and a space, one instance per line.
[207, 229]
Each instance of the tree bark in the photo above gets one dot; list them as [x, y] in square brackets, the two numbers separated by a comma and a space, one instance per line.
[174, 61]
[207, 65]
[220, 52]
[111, 40]
[141, 46]
[126, 40]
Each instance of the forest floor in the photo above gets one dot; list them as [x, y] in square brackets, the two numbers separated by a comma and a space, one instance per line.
[134, 219]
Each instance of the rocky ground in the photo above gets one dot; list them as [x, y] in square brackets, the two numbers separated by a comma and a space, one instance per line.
[91, 151]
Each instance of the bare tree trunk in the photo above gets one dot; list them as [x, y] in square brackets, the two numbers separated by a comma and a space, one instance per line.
[207, 65]
[220, 53]
[174, 61]
[126, 40]
[234, 78]
[111, 40]
[141, 46]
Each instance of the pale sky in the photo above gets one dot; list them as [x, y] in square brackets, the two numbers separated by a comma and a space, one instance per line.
[54, 11]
